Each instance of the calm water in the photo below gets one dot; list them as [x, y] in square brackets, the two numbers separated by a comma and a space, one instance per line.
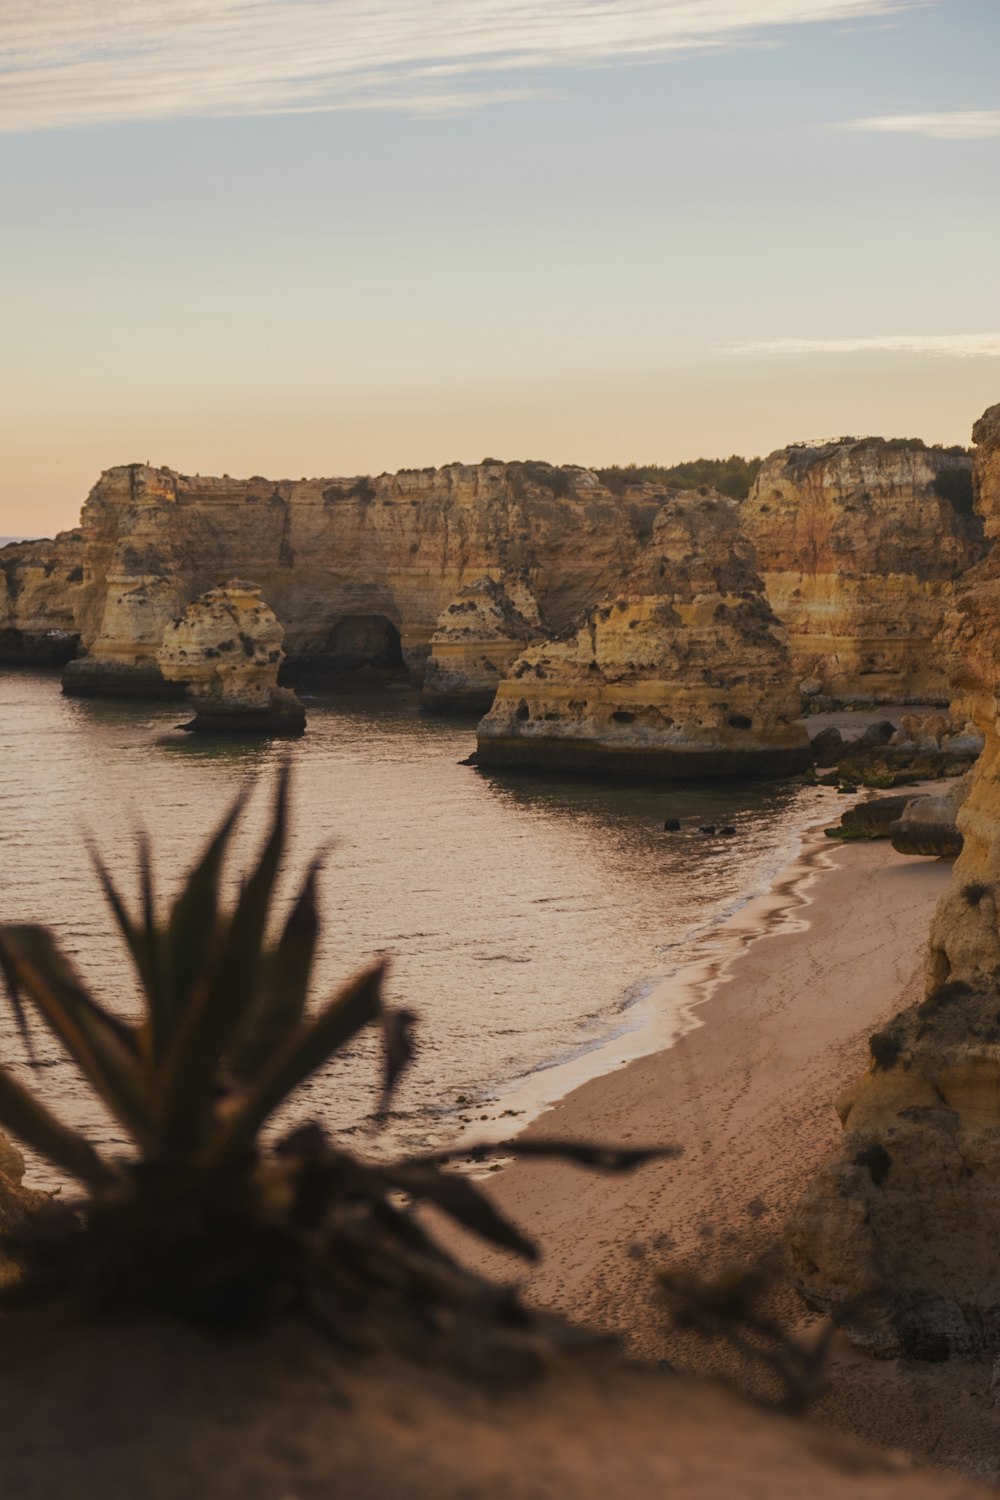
[526, 916]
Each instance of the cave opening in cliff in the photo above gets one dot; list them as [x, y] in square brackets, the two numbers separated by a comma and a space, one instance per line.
[359, 641]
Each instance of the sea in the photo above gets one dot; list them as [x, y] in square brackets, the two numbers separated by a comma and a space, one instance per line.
[530, 920]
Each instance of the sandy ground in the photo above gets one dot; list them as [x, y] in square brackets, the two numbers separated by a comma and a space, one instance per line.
[157, 1412]
[749, 1095]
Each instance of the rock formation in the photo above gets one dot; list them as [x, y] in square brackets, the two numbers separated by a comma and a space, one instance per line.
[226, 650]
[357, 570]
[859, 544]
[683, 672]
[40, 587]
[928, 826]
[478, 637]
[907, 1218]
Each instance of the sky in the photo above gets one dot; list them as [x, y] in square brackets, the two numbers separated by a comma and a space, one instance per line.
[301, 237]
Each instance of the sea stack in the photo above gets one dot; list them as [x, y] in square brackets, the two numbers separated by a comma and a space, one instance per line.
[859, 543]
[226, 649]
[900, 1231]
[478, 638]
[684, 673]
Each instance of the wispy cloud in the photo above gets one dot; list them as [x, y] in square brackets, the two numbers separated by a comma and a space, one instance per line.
[949, 345]
[69, 62]
[946, 125]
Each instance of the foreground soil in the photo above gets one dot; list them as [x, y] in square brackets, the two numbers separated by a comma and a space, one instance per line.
[160, 1412]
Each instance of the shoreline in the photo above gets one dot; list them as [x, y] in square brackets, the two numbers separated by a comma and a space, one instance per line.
[668, 1008]
[748, 1091]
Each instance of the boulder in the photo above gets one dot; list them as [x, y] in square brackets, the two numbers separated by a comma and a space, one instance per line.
[226, 649]
[929, 825]
[874, 819]
[874, 736]
[828, 746]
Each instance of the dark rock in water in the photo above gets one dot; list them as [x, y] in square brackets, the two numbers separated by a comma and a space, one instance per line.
[875, 735]
[727, 832]
[828, 746]
[470, 760]
[871, 820]
[671, 825]
[708, 828]
[284, 717]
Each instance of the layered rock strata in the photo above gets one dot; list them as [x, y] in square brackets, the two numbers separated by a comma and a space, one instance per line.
[41, 585]
[859, 544]
[359, 571]
[683, 672]
[226, 650]
[478, 638]
[902, 1230]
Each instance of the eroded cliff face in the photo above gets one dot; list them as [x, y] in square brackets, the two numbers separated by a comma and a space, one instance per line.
[907, 1219]
[683, 671]
[346, 564]
[478, 638]
[41, 586]
[226, 650]
[859, 544]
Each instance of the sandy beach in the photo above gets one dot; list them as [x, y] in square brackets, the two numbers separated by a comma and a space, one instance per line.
[749, 1093]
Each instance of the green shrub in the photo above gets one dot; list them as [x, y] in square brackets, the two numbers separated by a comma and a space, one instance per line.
[731, 476]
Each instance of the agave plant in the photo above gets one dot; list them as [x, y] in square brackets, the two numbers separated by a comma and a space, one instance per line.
[202, 1218]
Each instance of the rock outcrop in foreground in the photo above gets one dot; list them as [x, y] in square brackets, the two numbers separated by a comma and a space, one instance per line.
[226, 650]
[907, 1218]
[859, 544]
[683, 672]
[358, 571]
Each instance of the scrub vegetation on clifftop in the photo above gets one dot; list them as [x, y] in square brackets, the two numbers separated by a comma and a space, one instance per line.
[731, 476]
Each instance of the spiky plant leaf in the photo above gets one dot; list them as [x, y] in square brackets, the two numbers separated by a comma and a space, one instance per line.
[397, 1053]
[23, 1115]
[191, 930]
[462, 1201]
[103, 1047]
[599, 1158]
[306, 1050]
[220, 998]
[142, 940]
[282, 989]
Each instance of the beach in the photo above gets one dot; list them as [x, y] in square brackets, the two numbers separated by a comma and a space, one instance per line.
[779, 1026]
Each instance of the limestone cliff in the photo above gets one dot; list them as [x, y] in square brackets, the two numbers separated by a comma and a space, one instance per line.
[478, 637]
[352, 567]
[41, 584]
[684, 671]
[859, 544]
[907, 1218]
[226, 650]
